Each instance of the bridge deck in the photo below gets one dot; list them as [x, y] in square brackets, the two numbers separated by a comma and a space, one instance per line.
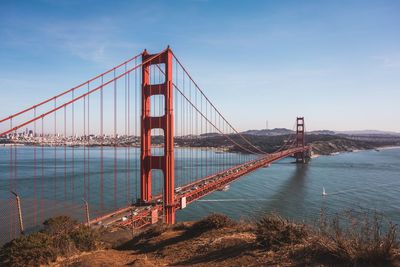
[140, 215]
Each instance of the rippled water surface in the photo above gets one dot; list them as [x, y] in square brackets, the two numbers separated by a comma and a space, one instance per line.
[366, 179]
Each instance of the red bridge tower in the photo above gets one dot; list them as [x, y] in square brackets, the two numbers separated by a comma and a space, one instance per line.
[164, 163]
[300, 140]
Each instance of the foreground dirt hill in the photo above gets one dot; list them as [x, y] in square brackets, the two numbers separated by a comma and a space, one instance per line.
[218, 241]
[176, 246]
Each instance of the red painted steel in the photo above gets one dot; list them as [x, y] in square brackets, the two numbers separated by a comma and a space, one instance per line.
[165, 122]
[300, 139]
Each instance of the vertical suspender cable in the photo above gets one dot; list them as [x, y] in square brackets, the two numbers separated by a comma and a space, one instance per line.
[42, 182]
[88, 143]
[102, 146]
[84, 148]
[34, 169]
[190, 133]
[176, 124]
[115, 141]
[126, 137]
[129, 138]
[65, 153]
[55, 150]
[73, 147]
[137, 156]
[11, 185]
[196, 134]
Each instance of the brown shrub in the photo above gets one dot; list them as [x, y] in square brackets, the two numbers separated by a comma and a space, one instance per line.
[63, 245]
[358, 239]
[155, 230]
[179, 226]
[211, 222]
[273, 232]
[85, 238]
[60, 225]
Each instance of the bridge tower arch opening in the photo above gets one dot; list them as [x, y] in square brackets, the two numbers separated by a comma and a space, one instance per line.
[165, 163]
[300, 139]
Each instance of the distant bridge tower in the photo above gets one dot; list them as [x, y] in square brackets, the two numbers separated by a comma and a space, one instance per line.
[164, 163]
[300, 139]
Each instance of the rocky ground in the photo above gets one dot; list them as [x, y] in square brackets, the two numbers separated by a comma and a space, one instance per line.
[176, 246]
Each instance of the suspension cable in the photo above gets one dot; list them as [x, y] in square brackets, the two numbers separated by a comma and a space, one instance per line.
[81, 96]
[219, 113]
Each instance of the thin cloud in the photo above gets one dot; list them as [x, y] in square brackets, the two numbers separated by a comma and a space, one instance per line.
[95, 41]
[98, 41]
[389, 61]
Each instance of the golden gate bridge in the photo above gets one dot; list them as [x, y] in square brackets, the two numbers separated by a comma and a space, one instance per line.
[124, 143]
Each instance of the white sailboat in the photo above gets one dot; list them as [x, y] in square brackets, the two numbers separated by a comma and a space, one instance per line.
[323, 192]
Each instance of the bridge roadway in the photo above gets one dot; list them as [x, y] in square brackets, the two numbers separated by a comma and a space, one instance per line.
[140, 215]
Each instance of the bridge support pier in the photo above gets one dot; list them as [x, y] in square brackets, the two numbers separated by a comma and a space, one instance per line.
[300, 157]
[164, 163]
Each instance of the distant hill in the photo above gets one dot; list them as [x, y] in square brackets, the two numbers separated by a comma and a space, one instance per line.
[209, 134]
[272, 132]
[324, 132]
[284, 131]
[368, 132]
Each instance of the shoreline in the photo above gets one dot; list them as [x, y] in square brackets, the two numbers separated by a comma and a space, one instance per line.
[379, 148]
[388, 147]
[217, 149]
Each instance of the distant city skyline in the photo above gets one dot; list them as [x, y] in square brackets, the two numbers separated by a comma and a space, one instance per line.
[335, 63]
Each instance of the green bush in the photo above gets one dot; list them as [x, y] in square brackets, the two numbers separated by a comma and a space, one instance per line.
[64, 245]
[273, 232]
[31, 250]
[85, 238]
[62, 236]
[60, 225]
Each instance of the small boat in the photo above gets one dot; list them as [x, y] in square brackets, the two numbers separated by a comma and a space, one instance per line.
[323, 192]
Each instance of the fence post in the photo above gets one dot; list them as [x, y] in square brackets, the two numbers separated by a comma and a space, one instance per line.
[132, 228]
[21, 223]
[87, 212]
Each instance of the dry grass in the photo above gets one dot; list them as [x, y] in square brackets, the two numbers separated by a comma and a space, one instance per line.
[212, 222]
[357, 239]
[273, 232]
[347, 239]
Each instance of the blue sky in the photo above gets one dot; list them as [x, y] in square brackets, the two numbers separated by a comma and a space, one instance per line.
[335, 62]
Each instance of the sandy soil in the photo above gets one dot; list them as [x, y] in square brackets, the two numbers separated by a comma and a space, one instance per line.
[176, 247]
